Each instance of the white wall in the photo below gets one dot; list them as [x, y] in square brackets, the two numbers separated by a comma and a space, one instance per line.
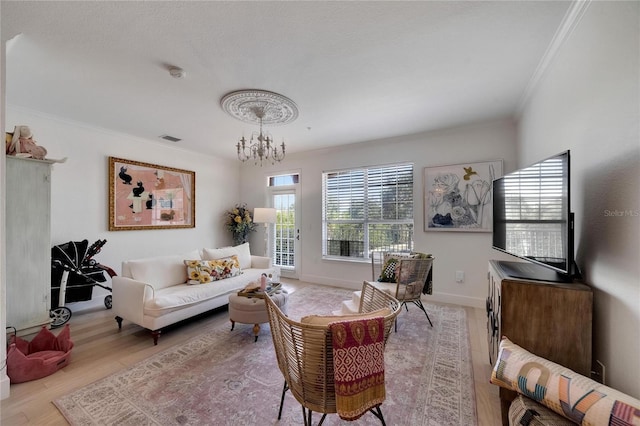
[466, 251]
[79, 206]
[588, 102]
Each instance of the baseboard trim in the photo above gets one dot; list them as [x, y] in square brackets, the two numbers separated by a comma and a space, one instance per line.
[455, 299]
[4, 386]
[315, 279]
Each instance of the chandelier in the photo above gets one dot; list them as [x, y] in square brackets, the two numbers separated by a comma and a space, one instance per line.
[260, 107]
[262, 148]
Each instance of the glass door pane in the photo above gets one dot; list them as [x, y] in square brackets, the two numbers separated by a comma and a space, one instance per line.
[286, 232]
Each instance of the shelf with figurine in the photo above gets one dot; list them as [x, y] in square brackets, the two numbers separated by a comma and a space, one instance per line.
[20, 144]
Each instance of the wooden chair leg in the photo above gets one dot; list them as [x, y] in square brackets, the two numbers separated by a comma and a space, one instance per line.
[155, 334]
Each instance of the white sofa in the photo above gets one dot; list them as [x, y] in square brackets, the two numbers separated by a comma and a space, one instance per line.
[154, 292]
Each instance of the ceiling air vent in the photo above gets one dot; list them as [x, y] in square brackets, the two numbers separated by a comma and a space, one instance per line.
[170, 138]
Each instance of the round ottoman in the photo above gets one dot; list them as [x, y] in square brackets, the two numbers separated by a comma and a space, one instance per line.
[252, 310]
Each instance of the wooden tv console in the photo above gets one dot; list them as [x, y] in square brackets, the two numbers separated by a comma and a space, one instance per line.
[549, 319]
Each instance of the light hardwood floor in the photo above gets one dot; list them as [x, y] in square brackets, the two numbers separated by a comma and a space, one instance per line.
[101, 350]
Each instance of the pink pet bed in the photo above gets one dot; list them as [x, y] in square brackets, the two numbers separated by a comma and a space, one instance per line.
[44, 355]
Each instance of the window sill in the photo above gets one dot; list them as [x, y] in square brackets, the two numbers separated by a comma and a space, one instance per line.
[347, 259]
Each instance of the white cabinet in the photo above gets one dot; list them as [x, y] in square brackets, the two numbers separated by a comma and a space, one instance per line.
[28, 243]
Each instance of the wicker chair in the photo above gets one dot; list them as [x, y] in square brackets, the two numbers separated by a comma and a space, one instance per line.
[410, 278]
[305, 354]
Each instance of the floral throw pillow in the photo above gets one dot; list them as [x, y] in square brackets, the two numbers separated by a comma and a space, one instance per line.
[206, 271]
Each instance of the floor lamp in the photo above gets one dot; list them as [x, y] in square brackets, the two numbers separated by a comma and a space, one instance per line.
[265, 215]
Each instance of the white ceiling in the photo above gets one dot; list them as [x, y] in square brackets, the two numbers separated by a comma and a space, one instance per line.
[358, 71]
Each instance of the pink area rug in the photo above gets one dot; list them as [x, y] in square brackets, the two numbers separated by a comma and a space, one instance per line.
[222, 377]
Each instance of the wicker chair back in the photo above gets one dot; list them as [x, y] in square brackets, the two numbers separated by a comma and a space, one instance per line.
[305, 353]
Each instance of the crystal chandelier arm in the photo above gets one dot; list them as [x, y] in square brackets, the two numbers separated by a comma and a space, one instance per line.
[278, 155]
[242, 152]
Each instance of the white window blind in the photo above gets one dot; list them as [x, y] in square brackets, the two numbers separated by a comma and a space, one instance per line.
[367, 209]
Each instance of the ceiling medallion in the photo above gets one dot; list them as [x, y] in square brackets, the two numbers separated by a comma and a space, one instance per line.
[260, 107]
[276, 109]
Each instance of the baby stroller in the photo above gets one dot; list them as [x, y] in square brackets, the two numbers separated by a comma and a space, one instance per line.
[74, 272]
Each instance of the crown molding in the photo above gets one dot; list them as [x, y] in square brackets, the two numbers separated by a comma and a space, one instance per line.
[569, 22]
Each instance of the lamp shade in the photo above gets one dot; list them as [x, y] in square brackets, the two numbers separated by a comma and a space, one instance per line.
[264, 215]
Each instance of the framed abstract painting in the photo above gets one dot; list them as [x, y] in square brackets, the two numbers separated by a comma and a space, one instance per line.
[149, 196]
[459, 197]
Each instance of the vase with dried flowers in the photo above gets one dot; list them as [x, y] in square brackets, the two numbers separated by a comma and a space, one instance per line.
[239, 221]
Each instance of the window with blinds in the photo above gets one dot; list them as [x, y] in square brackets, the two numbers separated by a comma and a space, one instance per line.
[367, 209]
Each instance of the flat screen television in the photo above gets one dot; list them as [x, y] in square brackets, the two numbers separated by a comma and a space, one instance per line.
[532, 220]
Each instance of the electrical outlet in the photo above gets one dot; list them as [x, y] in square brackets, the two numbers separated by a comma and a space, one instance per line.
[459, 276]
[598, 372]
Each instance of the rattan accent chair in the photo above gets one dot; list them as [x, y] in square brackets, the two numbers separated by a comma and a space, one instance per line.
[410, 278]
[305, 354]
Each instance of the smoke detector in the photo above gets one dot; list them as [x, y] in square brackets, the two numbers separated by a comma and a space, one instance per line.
[177, 72]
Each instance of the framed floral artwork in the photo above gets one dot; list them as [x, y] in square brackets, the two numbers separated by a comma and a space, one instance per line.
[459, 197]
[148, 196]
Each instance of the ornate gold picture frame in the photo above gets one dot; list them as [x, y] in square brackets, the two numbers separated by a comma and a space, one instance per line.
[149, 196]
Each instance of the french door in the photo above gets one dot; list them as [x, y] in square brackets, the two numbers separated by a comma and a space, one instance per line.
[286, 232]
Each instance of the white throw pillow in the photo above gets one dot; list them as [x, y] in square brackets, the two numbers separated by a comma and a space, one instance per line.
[244, 255]
[242, 251]
[218, 253]
[162, 271]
